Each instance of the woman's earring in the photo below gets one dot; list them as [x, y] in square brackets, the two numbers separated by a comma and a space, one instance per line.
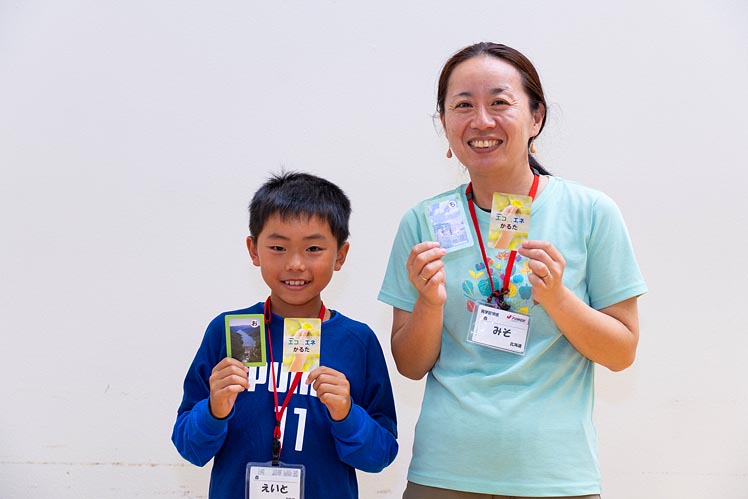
[449, 152]
[533, 149]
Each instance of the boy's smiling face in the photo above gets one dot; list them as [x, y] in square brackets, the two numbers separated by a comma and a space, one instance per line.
[297, 258]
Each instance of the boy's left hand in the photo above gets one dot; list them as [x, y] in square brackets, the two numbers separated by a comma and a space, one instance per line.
[333, 390]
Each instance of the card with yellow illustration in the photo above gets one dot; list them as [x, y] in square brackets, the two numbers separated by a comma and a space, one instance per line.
[510, 220]
[301, 344]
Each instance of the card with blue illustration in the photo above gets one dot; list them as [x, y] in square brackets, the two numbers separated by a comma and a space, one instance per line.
[448, 223]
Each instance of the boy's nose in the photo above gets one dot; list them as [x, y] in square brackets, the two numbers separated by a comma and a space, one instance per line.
[295, 262]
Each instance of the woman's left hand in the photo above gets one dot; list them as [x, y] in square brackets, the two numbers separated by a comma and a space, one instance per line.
[547, 265]
[607, 336]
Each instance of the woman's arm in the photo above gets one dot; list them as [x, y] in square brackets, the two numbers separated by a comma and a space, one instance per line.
[608, 336]
[416, 335]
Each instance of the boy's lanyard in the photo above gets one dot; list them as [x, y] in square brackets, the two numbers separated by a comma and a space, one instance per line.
[297, 378]
[499, 295]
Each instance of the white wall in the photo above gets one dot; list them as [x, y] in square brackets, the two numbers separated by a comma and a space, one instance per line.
[132, 135]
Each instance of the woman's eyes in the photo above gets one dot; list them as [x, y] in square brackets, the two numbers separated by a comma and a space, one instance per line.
[467, 105]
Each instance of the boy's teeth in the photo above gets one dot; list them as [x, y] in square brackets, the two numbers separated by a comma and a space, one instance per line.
[295, 283]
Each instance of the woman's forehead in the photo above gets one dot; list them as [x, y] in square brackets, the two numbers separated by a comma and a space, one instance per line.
[484, 71]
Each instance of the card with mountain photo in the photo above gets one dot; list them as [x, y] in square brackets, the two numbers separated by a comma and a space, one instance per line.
[245, 339]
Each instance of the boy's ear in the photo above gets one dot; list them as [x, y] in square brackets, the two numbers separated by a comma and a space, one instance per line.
[252, 248]
[342, 253]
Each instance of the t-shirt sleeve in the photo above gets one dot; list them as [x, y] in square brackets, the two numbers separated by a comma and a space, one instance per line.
[613, 274]
[396, 288]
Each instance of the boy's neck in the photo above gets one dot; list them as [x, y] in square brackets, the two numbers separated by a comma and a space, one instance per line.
[308, 309]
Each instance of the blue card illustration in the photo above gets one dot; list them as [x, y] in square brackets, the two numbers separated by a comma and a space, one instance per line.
[448, 223]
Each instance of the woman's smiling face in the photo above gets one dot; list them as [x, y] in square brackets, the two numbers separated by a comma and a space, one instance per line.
[487, 116]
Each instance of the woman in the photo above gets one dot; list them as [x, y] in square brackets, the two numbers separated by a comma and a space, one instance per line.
[507, 409]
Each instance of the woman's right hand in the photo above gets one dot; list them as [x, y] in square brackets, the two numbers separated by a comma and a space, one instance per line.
[227, 380]
[426, 272]
[417, 335]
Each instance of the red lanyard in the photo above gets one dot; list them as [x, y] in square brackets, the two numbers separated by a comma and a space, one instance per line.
[297, 378]
[499, 295]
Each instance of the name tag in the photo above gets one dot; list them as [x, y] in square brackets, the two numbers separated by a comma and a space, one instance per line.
[499, 329]
[285, 481]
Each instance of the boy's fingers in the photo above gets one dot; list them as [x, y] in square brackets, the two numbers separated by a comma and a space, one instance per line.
[229, 372]
[325, 375]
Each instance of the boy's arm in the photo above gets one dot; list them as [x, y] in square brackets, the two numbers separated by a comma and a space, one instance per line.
[197, 434]
[367, 438]
[365, 443]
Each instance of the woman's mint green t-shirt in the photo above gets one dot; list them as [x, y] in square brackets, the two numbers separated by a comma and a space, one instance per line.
[499, 423]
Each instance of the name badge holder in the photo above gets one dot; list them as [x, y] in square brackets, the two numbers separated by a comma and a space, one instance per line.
[493, 327]
[493, 324]
[274, 481]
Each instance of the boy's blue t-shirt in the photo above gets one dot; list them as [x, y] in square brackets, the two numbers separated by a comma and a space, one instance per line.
[499, 423]
[331, 451]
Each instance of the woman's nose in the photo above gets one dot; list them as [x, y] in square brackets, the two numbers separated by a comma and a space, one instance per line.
[483, 118]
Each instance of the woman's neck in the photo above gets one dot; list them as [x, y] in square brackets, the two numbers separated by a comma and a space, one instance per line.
[485, 185]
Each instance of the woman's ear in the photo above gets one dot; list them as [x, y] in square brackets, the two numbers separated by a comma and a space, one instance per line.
[538, 115]
[252, 248]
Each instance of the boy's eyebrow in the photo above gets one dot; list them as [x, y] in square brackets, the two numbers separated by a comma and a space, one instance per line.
[275, 235]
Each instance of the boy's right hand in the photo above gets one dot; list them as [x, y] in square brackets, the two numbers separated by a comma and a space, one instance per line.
[227, 380]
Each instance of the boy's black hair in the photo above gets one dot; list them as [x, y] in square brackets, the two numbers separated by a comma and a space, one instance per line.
[300, 195]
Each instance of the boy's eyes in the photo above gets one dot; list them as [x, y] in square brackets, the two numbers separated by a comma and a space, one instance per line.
[311, 249]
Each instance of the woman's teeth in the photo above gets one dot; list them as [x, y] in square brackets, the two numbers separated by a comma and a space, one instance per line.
[484, 143]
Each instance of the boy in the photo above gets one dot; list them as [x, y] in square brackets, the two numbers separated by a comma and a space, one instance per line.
[341, 416]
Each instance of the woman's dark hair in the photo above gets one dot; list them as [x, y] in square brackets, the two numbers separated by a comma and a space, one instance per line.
[530, 82]
[293, 195]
